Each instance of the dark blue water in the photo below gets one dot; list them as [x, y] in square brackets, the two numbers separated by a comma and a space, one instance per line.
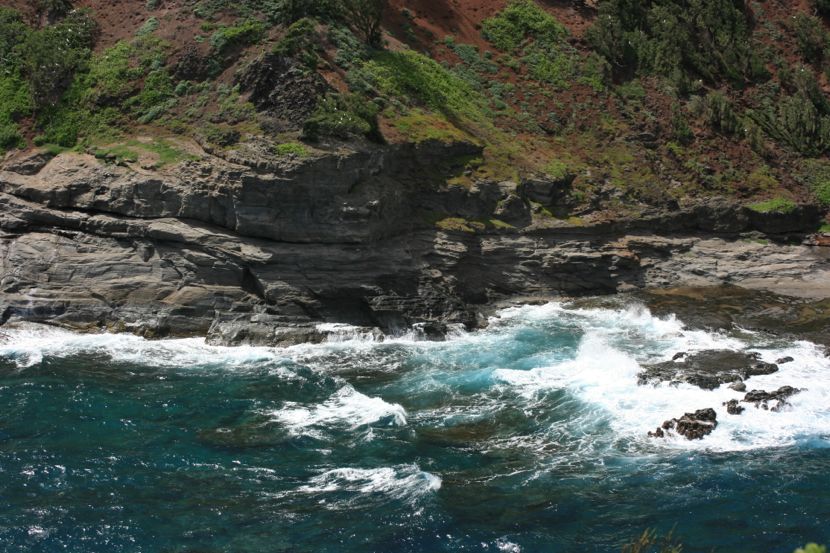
[527, 437]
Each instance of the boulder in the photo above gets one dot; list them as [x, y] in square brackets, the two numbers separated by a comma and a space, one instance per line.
[733, 408]
[692, 426]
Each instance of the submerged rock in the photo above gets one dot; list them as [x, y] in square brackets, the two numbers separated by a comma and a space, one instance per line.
[762, 399]
[707, 369]
[783, 360]
[692, 426]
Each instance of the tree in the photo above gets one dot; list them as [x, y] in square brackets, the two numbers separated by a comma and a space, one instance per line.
[366, 17]
[53, 10]
[52, 55]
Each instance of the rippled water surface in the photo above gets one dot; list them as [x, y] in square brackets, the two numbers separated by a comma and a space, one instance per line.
[527, 437]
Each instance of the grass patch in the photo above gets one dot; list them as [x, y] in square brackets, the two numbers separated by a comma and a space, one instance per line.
[775, 205]
[556, 169]
[161, 151]
[499, 224]
[292, 148]
[420, 126]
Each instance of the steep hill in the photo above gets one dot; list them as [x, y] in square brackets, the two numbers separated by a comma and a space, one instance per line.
[626, 104]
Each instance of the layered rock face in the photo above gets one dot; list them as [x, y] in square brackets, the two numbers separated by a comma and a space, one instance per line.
[253, 251]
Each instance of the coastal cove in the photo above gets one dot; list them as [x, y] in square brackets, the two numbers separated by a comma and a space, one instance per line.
[414, 276]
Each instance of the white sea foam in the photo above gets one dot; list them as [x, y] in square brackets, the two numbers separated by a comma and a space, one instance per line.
[27, 344]
[401, 482]
[346, 408]
[603, 375]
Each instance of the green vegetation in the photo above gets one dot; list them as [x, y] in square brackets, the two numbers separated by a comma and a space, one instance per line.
[48, 58]
[718, 113]
[775, 205]
[811, 37]
[301, 41]
[799, 120]
[523, 28]
[557, 169]
[815, 174]
[680, 40]
[292, 148]
[412, 82]
[227, 39]
[342, 116]
[366, 17]
[160, 151]
[520, 20]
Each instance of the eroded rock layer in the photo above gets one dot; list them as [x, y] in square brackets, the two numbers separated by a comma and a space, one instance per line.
[253, 251]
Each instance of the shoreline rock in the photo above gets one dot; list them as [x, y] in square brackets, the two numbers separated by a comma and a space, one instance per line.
[350, 238]
[692, 426]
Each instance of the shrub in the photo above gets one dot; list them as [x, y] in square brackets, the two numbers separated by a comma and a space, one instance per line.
[522, 19]
[300, 41]
[150, 26]
[222, 135]
[681, 40]
[822, 7]
[681, 132]
[800, 121]
[342, 116]
[51, 56]
[13, 31]
[811, 37]
[9, 137]
[291, 148]
[226, 39]
[717, 111]
[815, 174]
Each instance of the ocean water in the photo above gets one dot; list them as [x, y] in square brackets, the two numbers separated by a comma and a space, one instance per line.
[529, 436]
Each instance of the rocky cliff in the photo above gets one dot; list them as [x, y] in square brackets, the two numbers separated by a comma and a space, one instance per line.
[248, 249]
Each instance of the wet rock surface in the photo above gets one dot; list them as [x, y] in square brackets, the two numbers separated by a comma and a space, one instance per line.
[727, 307]
[707, 369]
[773, 401]
[733, 407]
[692, 426]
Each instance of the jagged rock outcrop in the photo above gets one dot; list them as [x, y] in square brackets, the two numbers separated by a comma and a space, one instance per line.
[707, 369]
[762, 399]
[251, 249]
[692, 426]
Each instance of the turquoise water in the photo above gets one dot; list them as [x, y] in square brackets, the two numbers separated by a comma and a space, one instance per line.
[526, 437]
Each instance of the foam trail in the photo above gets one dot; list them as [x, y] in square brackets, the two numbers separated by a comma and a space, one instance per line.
[27, 344]
[402, 482]
[345, 408]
